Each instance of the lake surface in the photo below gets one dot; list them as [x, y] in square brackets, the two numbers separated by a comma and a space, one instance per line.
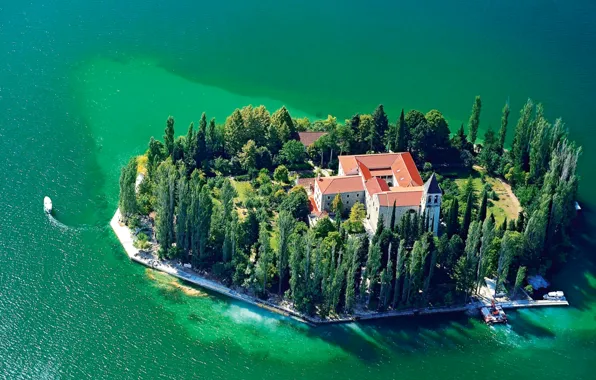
[84, 84]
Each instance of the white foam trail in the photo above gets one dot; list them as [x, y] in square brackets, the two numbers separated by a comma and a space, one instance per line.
[56, 223]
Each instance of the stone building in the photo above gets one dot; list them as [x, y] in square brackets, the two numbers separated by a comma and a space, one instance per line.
[380, 181]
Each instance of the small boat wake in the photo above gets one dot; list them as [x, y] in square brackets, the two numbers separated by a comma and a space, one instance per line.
[58, 224]
[48, 209]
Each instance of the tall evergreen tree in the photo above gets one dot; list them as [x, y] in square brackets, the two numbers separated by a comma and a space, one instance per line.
[399, 269]
[521, 140]
[401, 137]
[392, 222]
[264, 256]
[168, 137]
[504, 123]
[453, 218]
[201, 151]
[128, 201]
[474, 121]
[165, 191]
[378, 132]
[190, 148]
[373, 266]
[483, 207]
[285, 226]
[467, 219]
[182, 212]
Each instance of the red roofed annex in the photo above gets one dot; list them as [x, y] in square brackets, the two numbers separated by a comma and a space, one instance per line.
[381, 181]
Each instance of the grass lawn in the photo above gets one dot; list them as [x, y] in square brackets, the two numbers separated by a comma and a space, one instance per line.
[243, 188]
[505, 207]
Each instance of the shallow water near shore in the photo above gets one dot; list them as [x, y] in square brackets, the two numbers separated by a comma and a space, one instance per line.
[84, 85]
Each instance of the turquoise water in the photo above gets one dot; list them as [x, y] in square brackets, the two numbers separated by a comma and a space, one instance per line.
[83, 85]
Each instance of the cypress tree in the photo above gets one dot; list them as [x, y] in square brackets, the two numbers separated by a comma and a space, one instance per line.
[182, 212]
[392, 223]
[521, 140]
[379, 130]
[168, 137]
[128, 200]
[401, 137]
[467, 217]
[212, 140]
[453, 218]
[285, 225]
[483, 207]
[503, 130]
[190, 148]
[474, 121]
[165, 186]
[201, 153]
[399, 269]
[373, 265]
[521, 222]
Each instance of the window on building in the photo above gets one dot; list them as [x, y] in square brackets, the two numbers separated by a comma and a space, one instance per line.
[429, 199]
[330, 198]
[348, 195]
[436, 199]
[357, 195]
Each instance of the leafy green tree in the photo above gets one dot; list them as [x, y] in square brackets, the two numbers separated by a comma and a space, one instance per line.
[248, 156]
[474, 121]
[292, 153]
[540, 151]
[337, 206]
[357, 215]
[285, 226]
[439, 129]
[488, 235]
[155, 155]
[503, 130]
[213, 141]
[296, 203]
[128, 201]
[168, 137]
[281, 174]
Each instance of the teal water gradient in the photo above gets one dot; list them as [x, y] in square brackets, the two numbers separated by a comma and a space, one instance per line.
[83, 85]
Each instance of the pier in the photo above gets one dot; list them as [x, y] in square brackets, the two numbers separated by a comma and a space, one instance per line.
[124, 235]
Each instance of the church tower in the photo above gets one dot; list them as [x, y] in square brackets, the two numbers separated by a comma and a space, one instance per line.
[431, 203]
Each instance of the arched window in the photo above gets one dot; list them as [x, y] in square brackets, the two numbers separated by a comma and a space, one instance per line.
[436, 199]
[429, 199]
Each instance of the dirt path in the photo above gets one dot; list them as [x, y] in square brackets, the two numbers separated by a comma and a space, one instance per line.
[514, 199]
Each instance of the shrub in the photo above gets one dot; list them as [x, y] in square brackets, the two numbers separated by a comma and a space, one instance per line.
[529, 289]
[134, 222]
[281, 174]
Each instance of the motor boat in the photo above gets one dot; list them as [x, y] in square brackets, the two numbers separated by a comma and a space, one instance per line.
[554, 296]
[493, 314]
[47, 205]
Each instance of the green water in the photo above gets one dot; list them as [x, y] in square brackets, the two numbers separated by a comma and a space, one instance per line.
[83, 85]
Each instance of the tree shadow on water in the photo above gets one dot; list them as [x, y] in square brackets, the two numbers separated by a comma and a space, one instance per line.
[526, 328]
[372, 340]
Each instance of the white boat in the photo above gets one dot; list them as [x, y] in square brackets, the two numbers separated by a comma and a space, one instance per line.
[47, 205]
[554, 296]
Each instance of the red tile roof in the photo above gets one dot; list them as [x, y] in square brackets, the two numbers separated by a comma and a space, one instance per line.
[384, 164]
[376, 185]
[308, 138]
[335, 185]
[401, 198]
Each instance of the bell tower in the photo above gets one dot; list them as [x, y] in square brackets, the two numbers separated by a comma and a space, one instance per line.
[431, 203]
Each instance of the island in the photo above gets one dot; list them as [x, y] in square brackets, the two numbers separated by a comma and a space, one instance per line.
[333, 222]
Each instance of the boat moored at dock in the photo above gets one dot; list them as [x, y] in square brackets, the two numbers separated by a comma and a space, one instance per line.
[554, 296]
[493, 314]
